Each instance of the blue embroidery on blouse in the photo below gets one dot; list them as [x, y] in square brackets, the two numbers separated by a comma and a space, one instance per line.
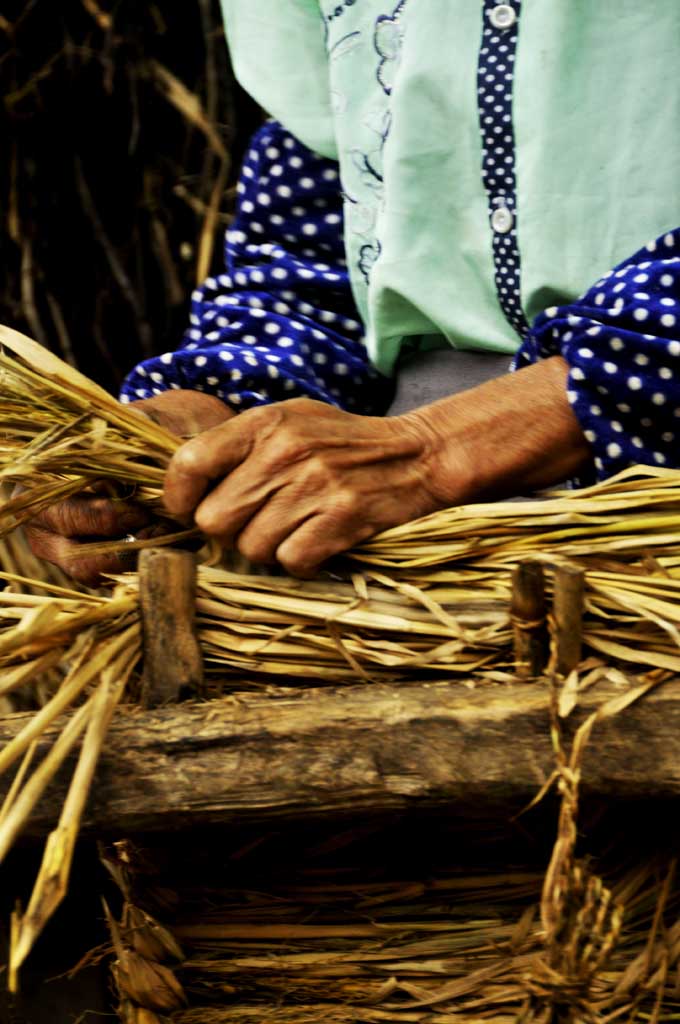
[368, 257]
[338, 10]
[344, 45]
[388, 41]
[370, 175]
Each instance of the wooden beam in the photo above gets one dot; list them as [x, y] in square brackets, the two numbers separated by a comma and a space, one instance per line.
[359, 750]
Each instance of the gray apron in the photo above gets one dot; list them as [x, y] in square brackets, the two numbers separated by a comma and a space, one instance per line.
[426, 376]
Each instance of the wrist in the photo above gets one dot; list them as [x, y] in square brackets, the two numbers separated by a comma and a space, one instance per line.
[511, 435]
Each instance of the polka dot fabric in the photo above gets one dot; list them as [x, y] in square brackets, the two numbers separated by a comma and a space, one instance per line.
[494, 91]
[281, 322]
[622, 343]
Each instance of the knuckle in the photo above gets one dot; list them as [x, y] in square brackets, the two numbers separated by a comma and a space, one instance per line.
[50, 519]
[38, 541]
[188, 460]
[343, 504]
[318, 470]
[282, 449]
[264, 420]
[287, 446]
[318, 466]
[208, 521]
[296, 560]
[254, 549]
[298, 567]
[62, 519]
[102, 518]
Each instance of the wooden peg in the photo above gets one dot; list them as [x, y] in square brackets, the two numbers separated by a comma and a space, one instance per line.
[167, 596]
[528, 619]
[568, 617]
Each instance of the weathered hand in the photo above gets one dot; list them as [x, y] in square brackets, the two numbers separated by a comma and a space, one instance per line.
[59, 534]
[301, 481]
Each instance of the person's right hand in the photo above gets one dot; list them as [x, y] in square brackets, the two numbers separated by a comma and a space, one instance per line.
[61, 533]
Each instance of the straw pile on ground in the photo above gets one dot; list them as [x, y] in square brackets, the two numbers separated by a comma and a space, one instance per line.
[426, 600]
[368, 933]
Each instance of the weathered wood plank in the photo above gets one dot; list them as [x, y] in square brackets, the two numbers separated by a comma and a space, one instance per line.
[359, 750]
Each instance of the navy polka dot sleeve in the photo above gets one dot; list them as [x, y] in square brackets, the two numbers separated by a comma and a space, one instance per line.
[281, 322]
[622, 343]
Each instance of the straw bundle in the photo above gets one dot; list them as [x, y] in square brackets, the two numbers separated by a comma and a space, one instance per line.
[62, 434]
[356, 940]
[428, 598]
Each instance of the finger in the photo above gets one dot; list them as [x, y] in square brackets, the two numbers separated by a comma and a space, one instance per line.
[262, 535]
[207, 457]
[84, 516]
[306, 549]
[230, 506]
[267, 498]
[70, 557]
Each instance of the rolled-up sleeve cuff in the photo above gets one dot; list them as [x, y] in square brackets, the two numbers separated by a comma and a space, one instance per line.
[621, 340]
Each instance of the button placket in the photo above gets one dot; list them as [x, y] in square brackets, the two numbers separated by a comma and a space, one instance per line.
[494, 82]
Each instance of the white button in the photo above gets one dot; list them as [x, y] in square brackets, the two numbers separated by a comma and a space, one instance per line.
[502, 16]
[502, 220]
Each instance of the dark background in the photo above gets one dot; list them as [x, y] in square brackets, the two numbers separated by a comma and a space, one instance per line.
[122, 131]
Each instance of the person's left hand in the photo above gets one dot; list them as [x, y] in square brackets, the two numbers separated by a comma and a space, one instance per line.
[302, 481]
[299, 481]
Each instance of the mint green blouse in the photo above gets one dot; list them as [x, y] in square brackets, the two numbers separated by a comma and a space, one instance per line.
[391, 91]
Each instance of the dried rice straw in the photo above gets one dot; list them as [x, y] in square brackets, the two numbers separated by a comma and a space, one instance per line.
[427, 598]
[361, 944]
